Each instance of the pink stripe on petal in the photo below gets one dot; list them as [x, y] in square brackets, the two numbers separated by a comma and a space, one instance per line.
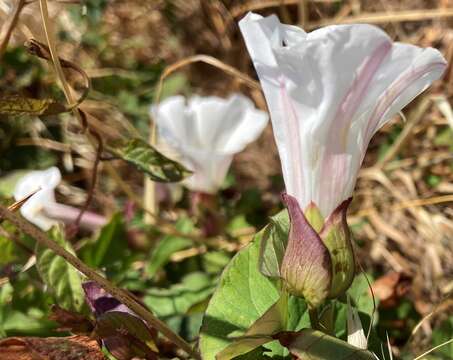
[353, 98]
[293, 137]
[394, 91]
[335, 168]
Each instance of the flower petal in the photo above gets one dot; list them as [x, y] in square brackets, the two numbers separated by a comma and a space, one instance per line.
[209, 170]
[328, 92]
[207, 132]
[34, 180]
[33, 209]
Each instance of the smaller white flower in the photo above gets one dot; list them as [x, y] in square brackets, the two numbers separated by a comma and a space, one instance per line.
[206, 132]
[43, 183]
[41, 209]
[356, 335]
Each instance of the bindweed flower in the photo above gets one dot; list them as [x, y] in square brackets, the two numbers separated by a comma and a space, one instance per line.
[328, 92]
[42, 210]
[206, 132]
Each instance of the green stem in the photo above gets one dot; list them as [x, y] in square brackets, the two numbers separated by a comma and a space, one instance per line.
[314, 318]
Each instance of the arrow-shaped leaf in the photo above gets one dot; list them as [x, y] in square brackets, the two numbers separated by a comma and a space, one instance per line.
[147, 159]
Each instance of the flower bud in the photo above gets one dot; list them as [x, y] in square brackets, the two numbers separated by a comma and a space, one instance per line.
[336, 236]
[318, 262]
[306, 267]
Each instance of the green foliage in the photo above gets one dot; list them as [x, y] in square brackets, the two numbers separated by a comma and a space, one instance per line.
[147, 159]
[168, 245]
[180, 298]
[273, 244]
[182, 304]
[242, 297]
[442, 334]
[110, 246]
[62, 278]
[316, 345]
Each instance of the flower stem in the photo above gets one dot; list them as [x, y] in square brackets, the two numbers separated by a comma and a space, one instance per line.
[314, 318]
[116, 292]
[69, 214]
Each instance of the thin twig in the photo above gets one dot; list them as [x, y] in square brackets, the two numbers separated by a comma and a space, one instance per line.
[407, 205]
[264, 4]
[303, 13]
[79, 114]
[9, 26]
[383, 17]
[118, 293]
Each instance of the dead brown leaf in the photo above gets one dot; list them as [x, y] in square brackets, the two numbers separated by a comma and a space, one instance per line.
[33, 348]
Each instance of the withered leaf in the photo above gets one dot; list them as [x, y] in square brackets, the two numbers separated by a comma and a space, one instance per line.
[19, 105]
[71, 321]
[33, 348]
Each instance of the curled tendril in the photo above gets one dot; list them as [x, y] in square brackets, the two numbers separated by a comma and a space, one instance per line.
[42, 51]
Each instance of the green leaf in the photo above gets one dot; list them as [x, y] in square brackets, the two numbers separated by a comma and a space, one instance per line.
[61, 277]
[442, 334]
[179, 298]
[168, 245]
[147, 159]
[361, 295]
[260, 333]
[273, 245]
[7, 254]
[111, 241]
[18, 105]
[316, 345]
[9, 181]
[242, 297]
[215, 261]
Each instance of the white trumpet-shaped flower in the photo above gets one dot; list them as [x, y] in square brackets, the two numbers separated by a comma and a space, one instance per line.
[206, 132]
[41, 209]
[328, 92]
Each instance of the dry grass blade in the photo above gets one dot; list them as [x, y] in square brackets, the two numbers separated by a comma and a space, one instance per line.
[381, 18]
[230, 70]
[9, 26]
[407, 205]
[433, 349]
[264, 4]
